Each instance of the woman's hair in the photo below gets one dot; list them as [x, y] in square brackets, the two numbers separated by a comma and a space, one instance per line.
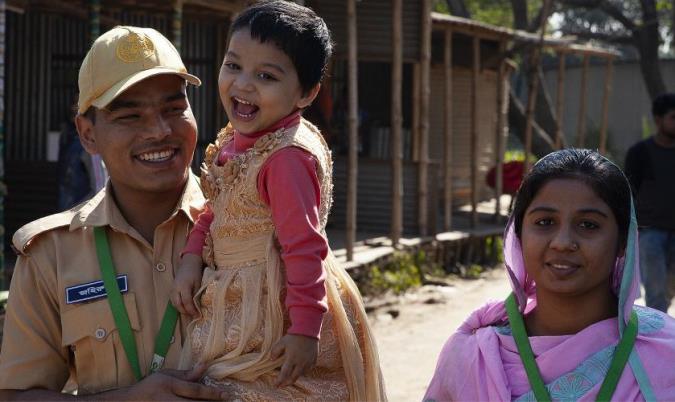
[301, 34]
[598, 172]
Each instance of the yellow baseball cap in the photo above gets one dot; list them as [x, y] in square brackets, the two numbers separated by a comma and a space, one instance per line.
[122, 57]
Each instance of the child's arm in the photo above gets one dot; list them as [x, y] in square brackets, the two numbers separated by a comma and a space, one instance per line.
[189, 273]
[288, 183]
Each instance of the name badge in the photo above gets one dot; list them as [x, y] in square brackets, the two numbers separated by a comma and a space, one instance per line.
[93, 290]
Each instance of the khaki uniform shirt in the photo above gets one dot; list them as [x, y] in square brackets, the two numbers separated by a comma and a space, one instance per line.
[46, 339]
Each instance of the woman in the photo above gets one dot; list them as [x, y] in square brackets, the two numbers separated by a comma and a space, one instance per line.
[571, 253]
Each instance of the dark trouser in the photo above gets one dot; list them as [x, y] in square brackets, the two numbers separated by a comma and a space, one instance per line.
[657, 249]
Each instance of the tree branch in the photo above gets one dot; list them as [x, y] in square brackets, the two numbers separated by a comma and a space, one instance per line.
[605, 6]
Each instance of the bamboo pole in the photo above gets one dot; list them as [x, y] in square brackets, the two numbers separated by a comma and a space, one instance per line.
[416, 113]
[474, 130]
[447, 113]
[177, 24]
[353, 125]
[560, 100]
[533, 87]
[605, 105]
[396, 122]
[581, 123]
[502, 103]
[425, 88]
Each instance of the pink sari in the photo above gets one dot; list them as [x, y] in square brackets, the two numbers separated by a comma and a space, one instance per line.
[480, 362]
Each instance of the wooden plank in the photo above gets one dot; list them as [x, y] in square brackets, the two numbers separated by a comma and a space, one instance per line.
[353, 125]
[581, 123]
[424, 118]
[560, 100]
[397, 122]
[605, 105]
[474, 131]
[447, 121]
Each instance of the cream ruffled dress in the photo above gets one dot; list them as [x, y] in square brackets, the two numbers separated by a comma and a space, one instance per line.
[243, 288]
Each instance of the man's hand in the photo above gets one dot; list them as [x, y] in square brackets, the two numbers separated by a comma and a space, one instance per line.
[300, 354]
[165, 385]
[187, 282]
[174, 385]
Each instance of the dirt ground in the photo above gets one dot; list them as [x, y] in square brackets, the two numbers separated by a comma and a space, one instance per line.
[409, 344]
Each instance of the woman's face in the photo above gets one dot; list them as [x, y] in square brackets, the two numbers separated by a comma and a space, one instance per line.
[570, 239]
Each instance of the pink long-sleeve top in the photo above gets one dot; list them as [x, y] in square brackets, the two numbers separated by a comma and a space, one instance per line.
[289, 184]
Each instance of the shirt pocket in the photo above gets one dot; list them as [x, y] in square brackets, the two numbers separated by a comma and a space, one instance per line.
[90, 332]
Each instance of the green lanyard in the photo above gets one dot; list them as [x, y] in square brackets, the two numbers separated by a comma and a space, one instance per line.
[119, 311]
[621, 354]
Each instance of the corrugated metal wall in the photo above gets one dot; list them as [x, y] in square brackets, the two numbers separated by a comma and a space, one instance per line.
[373, 27]
[28, 81]
[461, 134]
[374, 196]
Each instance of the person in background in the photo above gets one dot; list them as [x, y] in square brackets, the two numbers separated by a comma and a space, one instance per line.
[649, 166]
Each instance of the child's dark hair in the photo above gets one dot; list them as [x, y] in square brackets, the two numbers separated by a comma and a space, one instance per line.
[296, 30]
[663, 104]
[603, 176]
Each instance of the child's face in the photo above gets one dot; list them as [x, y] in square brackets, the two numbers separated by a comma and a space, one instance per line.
[258, 84]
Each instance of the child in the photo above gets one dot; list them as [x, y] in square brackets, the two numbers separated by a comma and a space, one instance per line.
[268, 184]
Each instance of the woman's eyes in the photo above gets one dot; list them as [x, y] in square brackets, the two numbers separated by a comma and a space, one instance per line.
[584, 224]
[544, 222]
[588, 225]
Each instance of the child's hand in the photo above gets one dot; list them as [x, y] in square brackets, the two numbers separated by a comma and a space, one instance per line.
[300, 354]
[188, 279]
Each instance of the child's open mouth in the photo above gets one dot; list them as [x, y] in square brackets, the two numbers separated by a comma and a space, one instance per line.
[243, 109]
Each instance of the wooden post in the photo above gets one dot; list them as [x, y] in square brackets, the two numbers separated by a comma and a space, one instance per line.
[502, 108]
[416, 113]
[94, 19]
[177, 24]
[534, 87]
[474, 130]
[605, 105]
[447, 123]
[560, 100]
[396, 122]
[581, 123]
[353, 125]
[425, 88]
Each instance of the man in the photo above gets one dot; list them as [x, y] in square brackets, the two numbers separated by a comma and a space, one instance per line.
[61, 321]
[650, 167]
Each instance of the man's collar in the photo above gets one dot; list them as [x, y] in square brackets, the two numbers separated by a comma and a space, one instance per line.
[102, 210]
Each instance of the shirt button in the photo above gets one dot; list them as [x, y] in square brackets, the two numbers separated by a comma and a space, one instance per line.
[100, 333]
[160, 267]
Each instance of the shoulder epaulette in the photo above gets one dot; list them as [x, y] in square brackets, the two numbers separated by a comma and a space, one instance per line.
[22, 238]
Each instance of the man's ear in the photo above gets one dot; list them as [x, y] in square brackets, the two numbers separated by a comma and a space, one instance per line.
[309, 97]
[85, 130]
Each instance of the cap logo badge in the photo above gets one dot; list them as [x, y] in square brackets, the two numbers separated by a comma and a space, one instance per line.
[135, 48]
